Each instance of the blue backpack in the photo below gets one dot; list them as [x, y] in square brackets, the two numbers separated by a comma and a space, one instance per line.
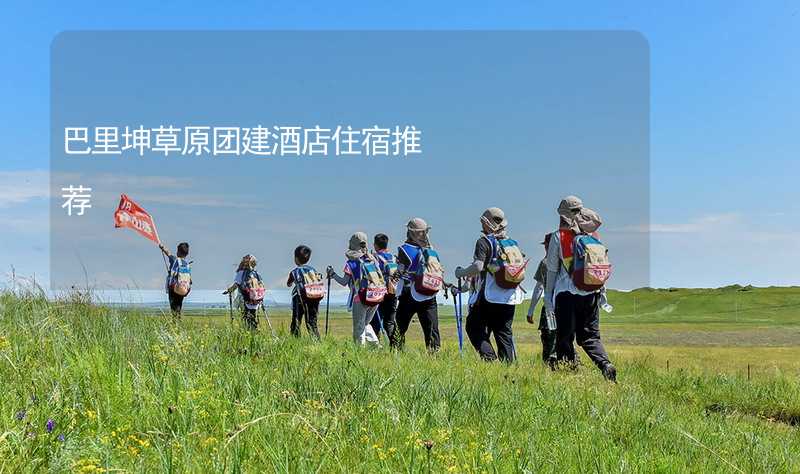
[369, 282]
[180, 277]
[426, 269]
[309, 283]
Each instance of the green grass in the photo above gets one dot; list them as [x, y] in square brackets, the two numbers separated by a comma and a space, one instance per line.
[134, 392]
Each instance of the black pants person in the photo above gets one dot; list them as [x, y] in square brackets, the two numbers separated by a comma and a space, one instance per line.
[250, 318]
[386, 317]
[308, 309]
[486, 319]
[175, 304]
[428, 314]
[578, 319]
[548, 337]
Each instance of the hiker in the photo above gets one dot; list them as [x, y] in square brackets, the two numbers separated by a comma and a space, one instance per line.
[308, 290]
[179, 277]
[577, 269]
[251, 290]
[547, 325]
[499, 267]
[367, 287]
[387, 310]
[423, 277]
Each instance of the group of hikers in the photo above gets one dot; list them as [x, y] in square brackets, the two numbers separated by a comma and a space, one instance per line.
[387, 290]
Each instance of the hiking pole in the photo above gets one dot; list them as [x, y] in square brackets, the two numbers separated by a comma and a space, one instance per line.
[328, 304]
[269, 323]
[457, 303]
[230, 306]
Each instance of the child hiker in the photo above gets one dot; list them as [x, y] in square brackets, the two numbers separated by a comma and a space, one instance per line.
[251, 289]
[308, 290]
[179, 277]
[387, 263]
[367, 287]
[547, 322]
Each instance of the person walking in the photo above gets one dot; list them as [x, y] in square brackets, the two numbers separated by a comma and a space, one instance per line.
[499, 267]
[423, 278]
[385, 317]
[359, 263]
[576, 310]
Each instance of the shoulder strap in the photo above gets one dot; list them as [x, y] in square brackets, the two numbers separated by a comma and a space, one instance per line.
[493, 244]
[176, 265]
[411, 259]
[297, 276]
[355, 269]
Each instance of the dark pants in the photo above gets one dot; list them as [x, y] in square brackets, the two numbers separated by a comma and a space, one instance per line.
[304, 308]
[250, 318]
[386, 317]
[484, 320]
[548, 337]
[428, 314]
[578, 319]
[175, 303]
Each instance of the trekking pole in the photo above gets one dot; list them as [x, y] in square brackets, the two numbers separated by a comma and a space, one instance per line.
[457, 303]
[328, 304]
[230, 306]
[269, 323]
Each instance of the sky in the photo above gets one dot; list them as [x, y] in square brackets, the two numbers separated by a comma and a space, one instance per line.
[498, 113]
[723, 112]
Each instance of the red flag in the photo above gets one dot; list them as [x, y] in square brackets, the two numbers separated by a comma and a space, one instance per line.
[131, 215]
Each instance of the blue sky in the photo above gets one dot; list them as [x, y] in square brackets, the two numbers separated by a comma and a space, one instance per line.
[724, 112]
[501, 116]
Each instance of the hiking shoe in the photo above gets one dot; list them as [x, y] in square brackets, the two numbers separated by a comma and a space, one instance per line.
[610, 373]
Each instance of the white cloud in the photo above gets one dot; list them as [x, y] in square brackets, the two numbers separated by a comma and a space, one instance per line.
[18, 187]
[703, 224]
[30, 224]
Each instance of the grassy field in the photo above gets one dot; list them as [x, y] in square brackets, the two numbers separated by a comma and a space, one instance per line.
[95, 389]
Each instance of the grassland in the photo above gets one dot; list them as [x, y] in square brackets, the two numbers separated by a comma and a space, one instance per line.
[131, 391]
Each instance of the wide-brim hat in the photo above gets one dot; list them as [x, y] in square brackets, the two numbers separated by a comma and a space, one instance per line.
[495, 218]
[418, 224]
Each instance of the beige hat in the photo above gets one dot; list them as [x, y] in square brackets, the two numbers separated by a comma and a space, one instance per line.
[588, 220]
[357, 247]
[417, 232]
[494, 220]
[571, 203]
[567, 209]
[418, 224]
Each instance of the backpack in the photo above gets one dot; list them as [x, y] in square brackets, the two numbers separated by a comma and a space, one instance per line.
[309, 283]
[507, 263]
[429, 275]
[591, 267]
[369, 282]
[388, 266]
[180, 277]
[252, 288]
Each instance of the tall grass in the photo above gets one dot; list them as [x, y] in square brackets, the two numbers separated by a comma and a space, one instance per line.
[139, 393]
